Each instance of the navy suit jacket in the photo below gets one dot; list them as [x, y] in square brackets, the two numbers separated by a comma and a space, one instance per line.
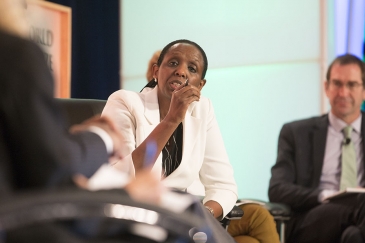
[36, 151]
[296, 174]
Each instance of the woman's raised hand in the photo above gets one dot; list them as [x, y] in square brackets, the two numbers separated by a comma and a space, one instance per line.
[181, 98]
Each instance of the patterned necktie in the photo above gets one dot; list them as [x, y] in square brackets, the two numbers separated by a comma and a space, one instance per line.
[348, 169]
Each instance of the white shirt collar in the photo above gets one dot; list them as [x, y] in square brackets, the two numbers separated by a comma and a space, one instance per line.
[339, 124]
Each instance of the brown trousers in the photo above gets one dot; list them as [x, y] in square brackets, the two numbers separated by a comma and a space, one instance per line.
[256, 226]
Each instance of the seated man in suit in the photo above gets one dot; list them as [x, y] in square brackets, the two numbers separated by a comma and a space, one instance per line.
[320, 156]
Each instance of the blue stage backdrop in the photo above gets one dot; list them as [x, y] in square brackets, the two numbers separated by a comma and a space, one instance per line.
[95, 47]
[349, 28]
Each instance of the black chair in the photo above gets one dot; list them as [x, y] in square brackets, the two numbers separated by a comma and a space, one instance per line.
[30, 215]
[281, 213]
[78, 110]
[235, 214]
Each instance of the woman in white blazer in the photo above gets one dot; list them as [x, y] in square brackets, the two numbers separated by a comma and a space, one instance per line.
[173, 129]
[155, 114]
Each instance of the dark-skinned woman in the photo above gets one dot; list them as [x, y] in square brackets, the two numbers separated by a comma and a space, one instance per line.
[172, 128]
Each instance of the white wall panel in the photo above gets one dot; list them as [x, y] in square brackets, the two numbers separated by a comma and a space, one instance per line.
[251, 104]
[232, 32]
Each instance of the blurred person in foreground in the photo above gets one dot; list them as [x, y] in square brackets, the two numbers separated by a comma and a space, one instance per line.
[320, 156]
[36, 151]
[189, 153]
[151, 63]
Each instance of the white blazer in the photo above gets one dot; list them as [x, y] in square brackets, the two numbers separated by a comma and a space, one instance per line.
[204, 158]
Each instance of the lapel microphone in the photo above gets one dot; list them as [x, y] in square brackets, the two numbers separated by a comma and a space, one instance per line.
[346, 141]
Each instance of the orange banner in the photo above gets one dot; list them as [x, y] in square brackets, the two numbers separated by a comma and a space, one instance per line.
[50, 27]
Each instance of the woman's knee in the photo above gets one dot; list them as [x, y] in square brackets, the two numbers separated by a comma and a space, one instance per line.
[258, 223]
[255, 213]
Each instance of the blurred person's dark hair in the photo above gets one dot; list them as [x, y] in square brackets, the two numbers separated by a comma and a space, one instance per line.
[153, 60]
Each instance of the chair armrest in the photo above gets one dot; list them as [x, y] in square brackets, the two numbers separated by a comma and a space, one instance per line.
[278, 209]
[235, 213]
[275, 209]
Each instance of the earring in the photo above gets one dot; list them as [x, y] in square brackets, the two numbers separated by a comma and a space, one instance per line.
[155, 79]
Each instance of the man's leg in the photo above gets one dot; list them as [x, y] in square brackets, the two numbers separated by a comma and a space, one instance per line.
[360, 216]
[256, 223]
[324, 223]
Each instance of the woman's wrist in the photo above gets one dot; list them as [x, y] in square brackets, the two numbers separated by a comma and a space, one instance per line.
[171, 122]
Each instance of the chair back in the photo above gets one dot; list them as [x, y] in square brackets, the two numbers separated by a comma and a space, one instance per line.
[79, 110]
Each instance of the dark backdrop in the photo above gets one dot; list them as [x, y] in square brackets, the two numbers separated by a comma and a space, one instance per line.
[95, 59]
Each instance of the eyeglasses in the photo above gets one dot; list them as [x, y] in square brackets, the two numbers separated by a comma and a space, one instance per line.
[351, 85]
